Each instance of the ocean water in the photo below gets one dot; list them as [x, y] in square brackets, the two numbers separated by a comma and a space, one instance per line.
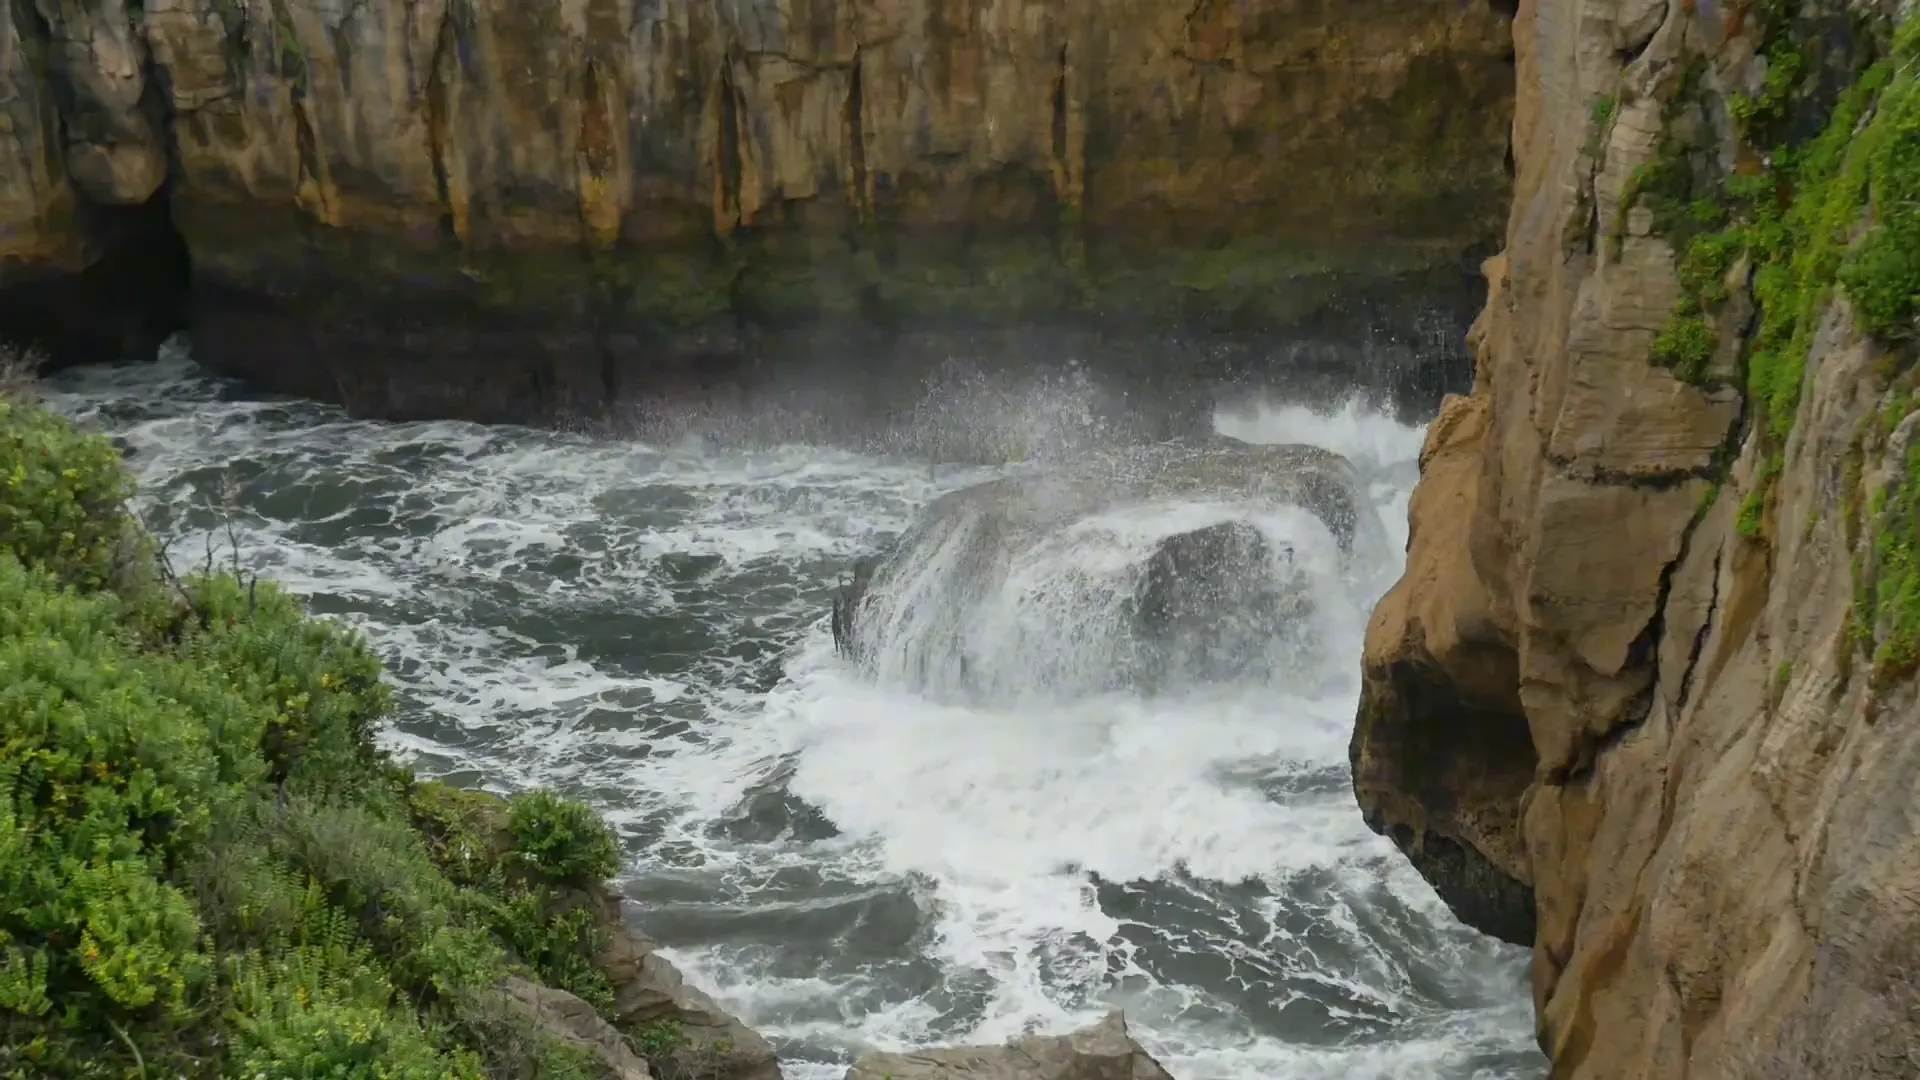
[847, 862]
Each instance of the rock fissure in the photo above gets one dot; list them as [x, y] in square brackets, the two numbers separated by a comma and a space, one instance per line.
[1698, 647]
[1649, 480]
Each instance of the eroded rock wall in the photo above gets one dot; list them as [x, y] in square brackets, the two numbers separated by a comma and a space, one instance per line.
[89, 267]
[1643, 700]
[546, 203]
[36, 203]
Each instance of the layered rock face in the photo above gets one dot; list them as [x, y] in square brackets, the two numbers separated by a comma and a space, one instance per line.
[538, 205]
[1644, 700]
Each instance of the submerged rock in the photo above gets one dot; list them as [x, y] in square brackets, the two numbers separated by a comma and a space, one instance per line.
[1105, 1051]
[1081, 577]
[1205, 595]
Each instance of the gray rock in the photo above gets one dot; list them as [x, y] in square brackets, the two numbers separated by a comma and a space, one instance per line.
[1104, 1051]
[1208, 601]
[568, 1020]
[684, 1034]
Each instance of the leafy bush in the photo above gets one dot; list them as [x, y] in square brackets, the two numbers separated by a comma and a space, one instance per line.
[206, 866]
[62, 498]
[561, 839]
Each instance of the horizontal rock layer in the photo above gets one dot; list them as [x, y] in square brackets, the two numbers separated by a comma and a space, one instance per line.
[554, 191]
[1643, 699]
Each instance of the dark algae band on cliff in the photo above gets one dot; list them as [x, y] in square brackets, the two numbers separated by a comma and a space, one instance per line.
[207, 869]
[518, 209]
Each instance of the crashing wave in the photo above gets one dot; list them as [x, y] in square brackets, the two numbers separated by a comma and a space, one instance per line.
[1183, 563]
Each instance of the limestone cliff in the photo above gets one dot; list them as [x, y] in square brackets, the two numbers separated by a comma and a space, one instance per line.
[571, 197]
[1644, 698]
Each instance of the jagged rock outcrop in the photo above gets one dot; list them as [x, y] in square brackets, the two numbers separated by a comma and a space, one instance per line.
[1643, 700]
[575, 1024]
[502, 207]
[656, 1024]
[1105, 1051]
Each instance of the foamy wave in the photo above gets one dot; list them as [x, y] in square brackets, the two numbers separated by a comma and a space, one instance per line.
[851, 866]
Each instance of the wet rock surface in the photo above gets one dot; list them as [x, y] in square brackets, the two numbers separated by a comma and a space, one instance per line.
[1205, 596]
[1219, 600]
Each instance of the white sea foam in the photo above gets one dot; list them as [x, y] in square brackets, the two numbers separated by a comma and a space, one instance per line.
[642, 626]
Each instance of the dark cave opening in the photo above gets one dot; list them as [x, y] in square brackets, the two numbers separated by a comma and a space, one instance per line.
[133, 294]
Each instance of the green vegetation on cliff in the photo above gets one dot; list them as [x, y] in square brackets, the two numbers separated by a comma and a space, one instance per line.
[207, 869]
[1816, 218]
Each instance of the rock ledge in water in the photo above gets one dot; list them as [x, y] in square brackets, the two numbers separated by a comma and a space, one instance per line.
[1105, 1051]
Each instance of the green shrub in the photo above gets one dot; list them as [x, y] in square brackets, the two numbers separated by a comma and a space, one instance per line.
[561, 839]
[558, 946]
[323, 1013]
[206, 866]
[63, 498]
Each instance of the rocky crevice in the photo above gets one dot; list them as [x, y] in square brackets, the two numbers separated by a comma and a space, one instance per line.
[99, 271]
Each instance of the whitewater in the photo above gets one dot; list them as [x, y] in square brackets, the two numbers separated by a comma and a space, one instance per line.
[844, 862]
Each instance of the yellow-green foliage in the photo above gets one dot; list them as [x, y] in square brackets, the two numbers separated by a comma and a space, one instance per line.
[1837, 214]
[61, 498]
[206, 868]
[1891, 594]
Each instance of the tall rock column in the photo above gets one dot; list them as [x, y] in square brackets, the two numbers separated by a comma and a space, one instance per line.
[1644, 699]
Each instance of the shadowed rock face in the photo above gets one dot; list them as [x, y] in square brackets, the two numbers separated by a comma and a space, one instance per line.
[512, 209]
[90, 267]
[1038, 582]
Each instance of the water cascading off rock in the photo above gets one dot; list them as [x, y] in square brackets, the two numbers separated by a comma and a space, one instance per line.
[1146, 570]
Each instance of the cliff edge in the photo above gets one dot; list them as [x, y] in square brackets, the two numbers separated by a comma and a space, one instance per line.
[505, 208]
[1644, 699]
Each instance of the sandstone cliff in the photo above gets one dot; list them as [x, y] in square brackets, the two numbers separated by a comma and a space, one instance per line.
[578, 195]
[1644, 699]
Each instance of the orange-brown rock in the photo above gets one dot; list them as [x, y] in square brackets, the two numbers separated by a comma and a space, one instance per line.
[1618, 707]
[36, 202]
[385, 199]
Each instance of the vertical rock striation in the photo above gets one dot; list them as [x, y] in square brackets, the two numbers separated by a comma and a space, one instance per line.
[1644, 698]
[507, 207]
